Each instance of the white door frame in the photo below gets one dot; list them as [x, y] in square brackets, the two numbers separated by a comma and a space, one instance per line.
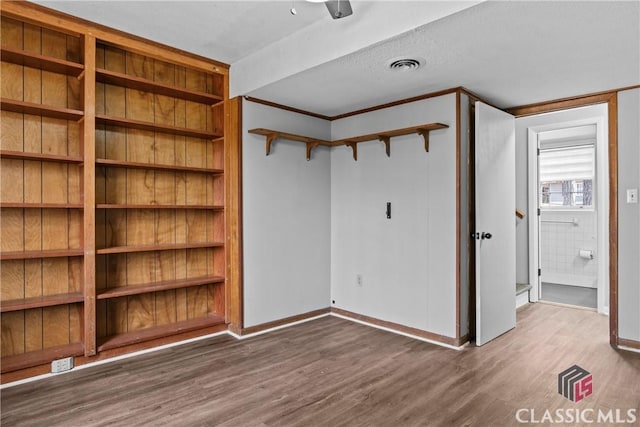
[602, 202]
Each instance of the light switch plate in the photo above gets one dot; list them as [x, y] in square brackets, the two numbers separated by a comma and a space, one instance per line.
[632, 195]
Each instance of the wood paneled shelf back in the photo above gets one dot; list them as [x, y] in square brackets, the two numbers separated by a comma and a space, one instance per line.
[384, 137]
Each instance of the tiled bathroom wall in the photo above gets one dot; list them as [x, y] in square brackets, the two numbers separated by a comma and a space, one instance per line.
[562, 235]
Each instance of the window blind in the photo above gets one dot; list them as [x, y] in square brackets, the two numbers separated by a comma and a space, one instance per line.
[565, 164]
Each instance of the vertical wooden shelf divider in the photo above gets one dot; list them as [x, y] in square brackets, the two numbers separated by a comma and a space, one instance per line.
[88, 135]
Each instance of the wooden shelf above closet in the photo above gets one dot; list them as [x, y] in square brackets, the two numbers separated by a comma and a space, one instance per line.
[40, 109]
[41, 301]
[271, 135]
[42, 62]
[385, 137]
[147, 334]
[121, 291]
[154, 127]
[137, 83]
[156, 166]
[20, 155]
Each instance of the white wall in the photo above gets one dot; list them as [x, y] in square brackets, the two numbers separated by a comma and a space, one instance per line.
[286, 217]
[408, 262]
[628, 215]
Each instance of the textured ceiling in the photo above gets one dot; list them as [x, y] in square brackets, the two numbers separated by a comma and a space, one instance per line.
[222, 30]
[511, 53]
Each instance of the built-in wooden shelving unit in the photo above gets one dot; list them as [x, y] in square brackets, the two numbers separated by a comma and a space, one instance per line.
[384, 137]
[160, 205]
[42, 254]
[114, 225]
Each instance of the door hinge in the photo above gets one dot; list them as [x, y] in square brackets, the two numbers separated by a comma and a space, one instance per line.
[538, 211]
[539, 272]
[538, 151]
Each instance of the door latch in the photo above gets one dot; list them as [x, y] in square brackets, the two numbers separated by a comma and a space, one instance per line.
[481, 236]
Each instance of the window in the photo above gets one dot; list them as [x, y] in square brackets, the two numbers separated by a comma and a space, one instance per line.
[567, 176]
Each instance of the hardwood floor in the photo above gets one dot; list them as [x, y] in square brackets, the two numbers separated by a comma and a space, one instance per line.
[334, 372]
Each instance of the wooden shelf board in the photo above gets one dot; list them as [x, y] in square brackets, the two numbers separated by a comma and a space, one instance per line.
[289, 136]
[42, 62]
[390, 133]
[122, 291]
[135, 165]
[41, 301]
[137, 83]
[41, 205]
[271, 135]
[147, 334]
[40, 109]
[159, 247]
[155, 127]
[52, 253]
[19, 155]
[40, 357]
[116, 206]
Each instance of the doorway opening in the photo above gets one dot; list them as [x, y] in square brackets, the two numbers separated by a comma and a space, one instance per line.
[569, 201]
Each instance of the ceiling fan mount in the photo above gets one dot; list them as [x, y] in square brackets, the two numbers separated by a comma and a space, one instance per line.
[337, 8]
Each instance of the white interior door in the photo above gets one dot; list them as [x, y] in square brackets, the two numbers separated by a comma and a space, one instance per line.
[495, 234]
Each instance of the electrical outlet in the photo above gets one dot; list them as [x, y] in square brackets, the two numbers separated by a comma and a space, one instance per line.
[62, 365]
[359, 280]
[632, 195]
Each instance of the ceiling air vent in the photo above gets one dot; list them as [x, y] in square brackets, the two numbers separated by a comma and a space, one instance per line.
[405, 64]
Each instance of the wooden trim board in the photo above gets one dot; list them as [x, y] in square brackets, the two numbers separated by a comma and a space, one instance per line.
[397, 327]
[233, 195]
[106, 355]
[629, 343]
[282, 322]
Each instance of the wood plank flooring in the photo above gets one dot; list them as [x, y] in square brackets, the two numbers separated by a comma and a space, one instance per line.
[332, 372]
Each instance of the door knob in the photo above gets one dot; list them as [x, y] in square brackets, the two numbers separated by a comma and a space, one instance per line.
[485, 235]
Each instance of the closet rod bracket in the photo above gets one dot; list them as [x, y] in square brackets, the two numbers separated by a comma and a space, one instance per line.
[386, 140]
[310, 146]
